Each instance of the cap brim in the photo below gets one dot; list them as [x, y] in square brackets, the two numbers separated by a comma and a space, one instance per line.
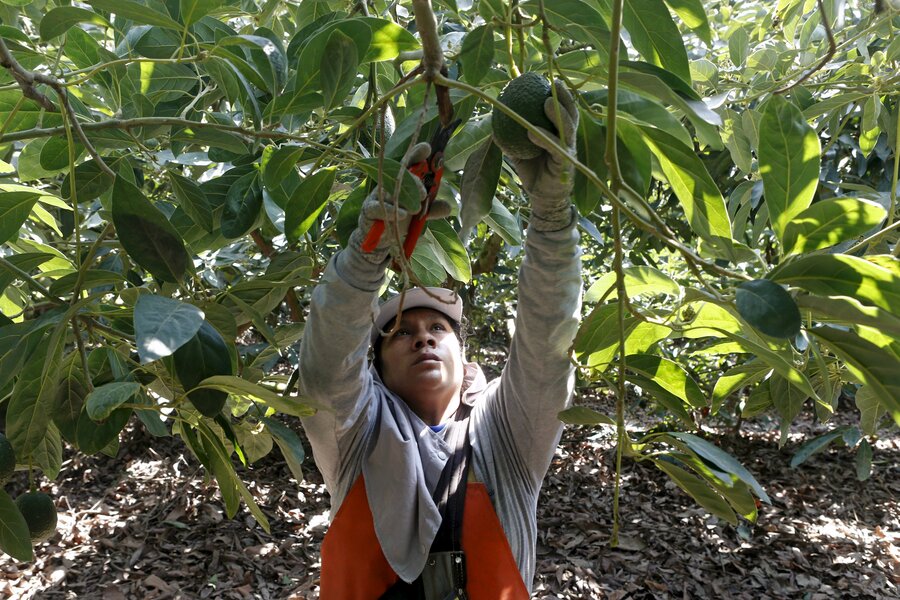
[442, 300]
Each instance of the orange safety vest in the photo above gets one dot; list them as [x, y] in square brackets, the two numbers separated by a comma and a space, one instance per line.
[354, 566]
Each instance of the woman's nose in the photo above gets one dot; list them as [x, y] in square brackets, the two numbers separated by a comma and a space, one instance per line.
[425, 338]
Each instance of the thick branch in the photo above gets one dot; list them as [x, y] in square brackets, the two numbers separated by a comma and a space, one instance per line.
[433, 57]
[426, 24]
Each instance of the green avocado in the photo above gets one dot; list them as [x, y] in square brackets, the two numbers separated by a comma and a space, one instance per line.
[525, 95]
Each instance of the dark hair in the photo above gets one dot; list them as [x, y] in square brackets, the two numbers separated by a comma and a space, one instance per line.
[458, 327]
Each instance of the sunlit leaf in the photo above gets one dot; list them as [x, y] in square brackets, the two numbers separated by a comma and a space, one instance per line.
[162, 325]
[788, 162]
[830, 222]
[307, 202]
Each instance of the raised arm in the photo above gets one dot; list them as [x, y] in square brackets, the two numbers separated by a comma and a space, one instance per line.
[538, 379]
[333, 353]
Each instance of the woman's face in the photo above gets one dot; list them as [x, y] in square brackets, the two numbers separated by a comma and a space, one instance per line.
[421, 359]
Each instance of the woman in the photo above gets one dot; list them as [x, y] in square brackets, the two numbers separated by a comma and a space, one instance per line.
[401, 437]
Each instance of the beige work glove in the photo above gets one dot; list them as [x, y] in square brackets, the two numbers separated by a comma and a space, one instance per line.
[548, 178]
[383, 209]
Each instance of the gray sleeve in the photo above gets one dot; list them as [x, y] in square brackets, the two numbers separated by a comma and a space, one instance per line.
[334, 366]
[539, 378]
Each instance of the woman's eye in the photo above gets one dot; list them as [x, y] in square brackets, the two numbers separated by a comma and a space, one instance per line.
[438, 326]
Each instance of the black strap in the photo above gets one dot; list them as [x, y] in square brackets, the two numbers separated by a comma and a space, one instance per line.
[450, 494]
[450, 497]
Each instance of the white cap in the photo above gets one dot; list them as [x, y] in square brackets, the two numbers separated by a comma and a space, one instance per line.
[442, 300]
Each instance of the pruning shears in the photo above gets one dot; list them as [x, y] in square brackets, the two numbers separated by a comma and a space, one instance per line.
[430, 172]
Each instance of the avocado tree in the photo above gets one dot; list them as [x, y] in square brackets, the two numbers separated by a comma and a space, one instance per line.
[176, 173]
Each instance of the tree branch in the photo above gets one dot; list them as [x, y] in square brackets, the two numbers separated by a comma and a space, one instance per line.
[26, 80]
[832, 48]
[433, 57]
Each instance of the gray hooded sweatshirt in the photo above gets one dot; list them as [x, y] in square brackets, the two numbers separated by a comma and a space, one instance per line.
[366, 429]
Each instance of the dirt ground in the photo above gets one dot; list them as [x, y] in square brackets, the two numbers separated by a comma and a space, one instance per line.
[149, 525]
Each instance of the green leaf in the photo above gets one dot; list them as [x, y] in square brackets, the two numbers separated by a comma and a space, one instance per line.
[139, 13]
[192, 200]
[307, 202]
[597, 340]
[870, 410]
[60, 19]
[15, 539]
[162, 325]
[582, 21]
[290, 445]
[788, 400]
[778, 361]
[830, 222]
[257, 393]
[92, 278]
[863, 460]
[340, 62]
[55, 154]
[243, 203]
[14, 210]
[669, 375]
[425, 263]
[47, 455]
[843, 309]
[253, 439]
[106, 398]
[218, 461]
[449, 250]
[478, 185]
[842, 275]
[90, 181]
[738, 46]
[590, 144]
[194, 10]
[388, 40]
[694, 16]
[698, 490]
[504, 223]
[737, 142]
[477, 54]
[735, 378]
[788, 162]
[768, 307]
[655, 35]
[638, 280]
[34, 395]
[410, 196]
[698, 194]
[581, 415]
[874, 366]
[815, 445]
[280, 164]
[145, 233]
[723, 460]
[468, 138]
[28, 115]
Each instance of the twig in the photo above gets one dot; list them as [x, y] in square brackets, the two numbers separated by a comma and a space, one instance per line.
[612, 162]
[27, 79]
[30, 281]
[832, 48]
[290, 297]
[661, 231]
